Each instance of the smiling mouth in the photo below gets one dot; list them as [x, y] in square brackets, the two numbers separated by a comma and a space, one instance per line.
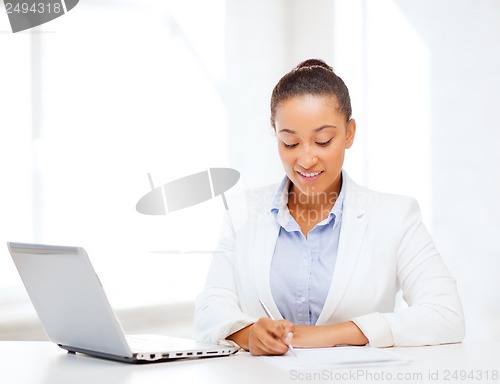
[310, 175]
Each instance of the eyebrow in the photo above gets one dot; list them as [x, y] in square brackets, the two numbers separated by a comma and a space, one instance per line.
[316, 130]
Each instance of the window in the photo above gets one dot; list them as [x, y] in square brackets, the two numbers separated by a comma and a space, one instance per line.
[97, 99]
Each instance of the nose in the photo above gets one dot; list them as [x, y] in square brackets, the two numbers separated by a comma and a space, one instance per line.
[307, 158]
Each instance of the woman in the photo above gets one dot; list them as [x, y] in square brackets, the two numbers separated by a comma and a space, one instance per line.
[325, 255]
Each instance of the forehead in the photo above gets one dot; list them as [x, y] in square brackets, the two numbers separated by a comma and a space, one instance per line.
[307, 112]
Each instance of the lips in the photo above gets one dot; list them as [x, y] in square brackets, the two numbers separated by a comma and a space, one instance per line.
[309, 176]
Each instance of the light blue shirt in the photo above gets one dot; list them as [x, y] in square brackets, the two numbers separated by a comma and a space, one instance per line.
[302, 268]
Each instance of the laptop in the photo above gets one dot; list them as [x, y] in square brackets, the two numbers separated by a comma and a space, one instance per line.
[76, 315]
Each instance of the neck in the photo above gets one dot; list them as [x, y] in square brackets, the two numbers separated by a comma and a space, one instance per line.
[320, 201]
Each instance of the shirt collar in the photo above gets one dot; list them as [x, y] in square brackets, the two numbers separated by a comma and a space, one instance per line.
[279, 206]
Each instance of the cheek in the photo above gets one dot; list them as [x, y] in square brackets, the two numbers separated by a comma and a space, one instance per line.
[336, 151]
[335, 157]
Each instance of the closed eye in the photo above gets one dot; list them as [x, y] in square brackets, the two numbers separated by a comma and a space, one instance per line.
[289, 145]
[324, 143]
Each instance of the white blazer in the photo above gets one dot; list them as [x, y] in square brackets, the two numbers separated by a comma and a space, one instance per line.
[384, 247]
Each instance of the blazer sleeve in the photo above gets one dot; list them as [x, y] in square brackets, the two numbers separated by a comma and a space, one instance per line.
[217, 308]
[434, 314]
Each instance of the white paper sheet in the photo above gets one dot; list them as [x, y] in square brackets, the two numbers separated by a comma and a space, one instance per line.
[338, 357]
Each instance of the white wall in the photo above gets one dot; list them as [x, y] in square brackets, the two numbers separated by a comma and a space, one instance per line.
[462, 38]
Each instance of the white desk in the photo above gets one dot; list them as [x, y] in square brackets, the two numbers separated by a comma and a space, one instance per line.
[24, 362]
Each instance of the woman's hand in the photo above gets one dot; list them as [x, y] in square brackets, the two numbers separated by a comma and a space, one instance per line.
[265, 337]
[270, 337]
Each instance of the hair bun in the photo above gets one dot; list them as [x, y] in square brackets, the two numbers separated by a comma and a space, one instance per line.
[314, 63]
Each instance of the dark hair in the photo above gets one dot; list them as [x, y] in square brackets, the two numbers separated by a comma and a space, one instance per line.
[311, 77]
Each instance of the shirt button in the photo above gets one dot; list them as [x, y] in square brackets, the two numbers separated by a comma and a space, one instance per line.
[302, 299]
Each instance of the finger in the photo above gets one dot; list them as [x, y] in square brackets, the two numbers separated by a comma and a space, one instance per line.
[269, 347]
[259, 347]
[262, 339]
[287, 331]
[285, 324]
[279, 330]
[274, 345]
[266, 340]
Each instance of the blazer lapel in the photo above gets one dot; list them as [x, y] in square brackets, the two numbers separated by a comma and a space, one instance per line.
[266, 237]
[351, 239]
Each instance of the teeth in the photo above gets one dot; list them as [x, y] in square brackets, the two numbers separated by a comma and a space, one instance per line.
[309, 174]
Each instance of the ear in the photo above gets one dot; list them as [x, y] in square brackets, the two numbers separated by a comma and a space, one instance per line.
[350, 133]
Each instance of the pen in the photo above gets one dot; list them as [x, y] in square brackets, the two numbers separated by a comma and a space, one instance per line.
[268, 313]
